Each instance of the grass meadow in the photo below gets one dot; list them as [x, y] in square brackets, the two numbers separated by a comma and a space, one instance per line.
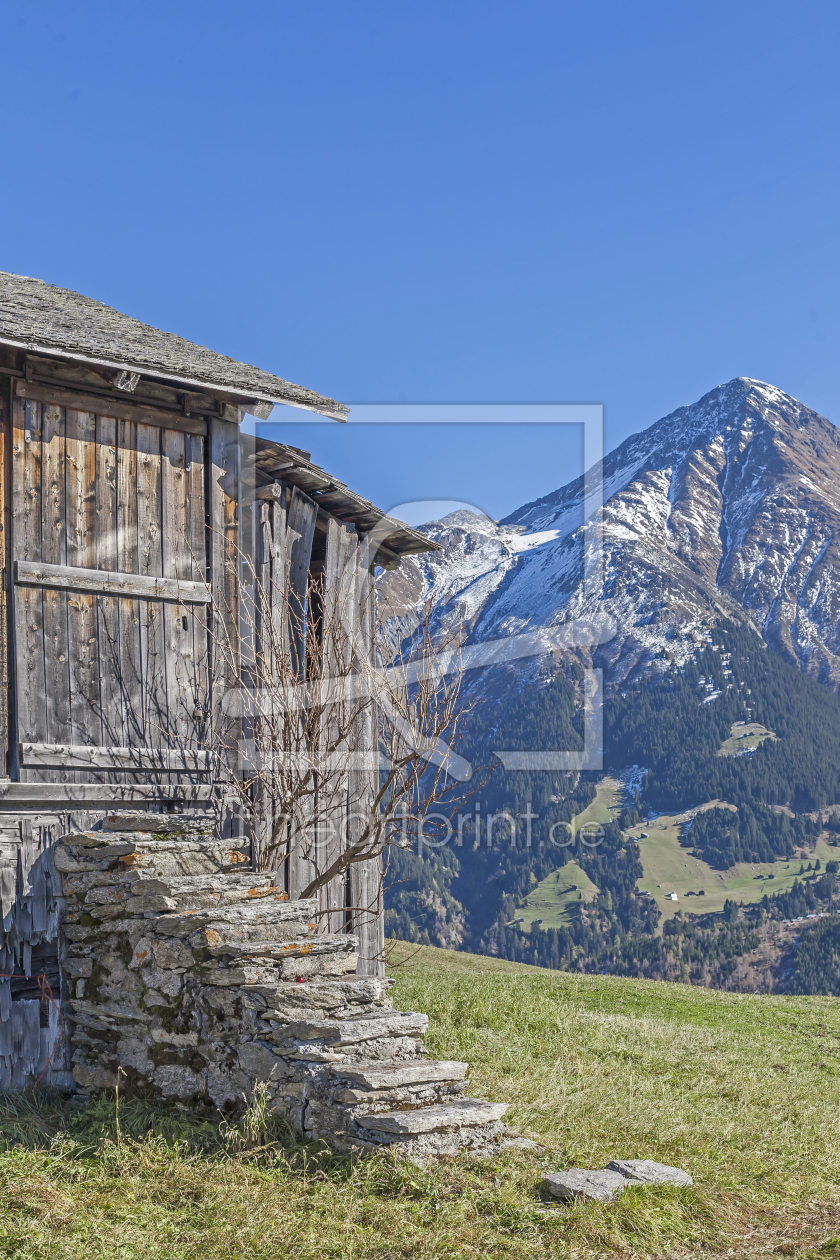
[742, 1091]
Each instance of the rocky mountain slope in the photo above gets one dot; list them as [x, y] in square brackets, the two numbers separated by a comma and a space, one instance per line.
[726, 508]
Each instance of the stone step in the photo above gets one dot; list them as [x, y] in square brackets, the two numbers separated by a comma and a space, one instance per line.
[210, 881]
[359, 1102]
[210, 891]
[373, 1024]
[171, 824]
[378, 1076]
[264, 970]
[224, 925]
[297, 947]
[465, 1113]
[81, 852]
[241, 887]
[300, 1000]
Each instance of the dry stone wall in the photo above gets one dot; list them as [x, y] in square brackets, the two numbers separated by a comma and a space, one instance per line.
[195, 979]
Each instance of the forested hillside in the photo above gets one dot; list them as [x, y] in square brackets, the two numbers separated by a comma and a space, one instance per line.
[666, 722]
[672, 724]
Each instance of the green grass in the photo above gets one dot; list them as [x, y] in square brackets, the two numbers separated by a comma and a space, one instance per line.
[609, 795]
[553, 900]
[742, 1091]
[745, 735]
[556, 899]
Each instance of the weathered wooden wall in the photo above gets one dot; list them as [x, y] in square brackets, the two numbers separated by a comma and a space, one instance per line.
[97, 500]
[291, 559]
[112, 524]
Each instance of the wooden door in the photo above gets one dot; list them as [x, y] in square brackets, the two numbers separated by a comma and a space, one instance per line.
[110, 597]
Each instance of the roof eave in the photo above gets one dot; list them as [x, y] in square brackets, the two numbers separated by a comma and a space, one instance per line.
[328, 407]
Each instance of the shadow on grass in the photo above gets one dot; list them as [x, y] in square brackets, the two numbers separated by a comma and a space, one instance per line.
[44, 1119]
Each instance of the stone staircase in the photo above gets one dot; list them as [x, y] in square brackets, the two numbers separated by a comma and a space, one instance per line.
[197, 979]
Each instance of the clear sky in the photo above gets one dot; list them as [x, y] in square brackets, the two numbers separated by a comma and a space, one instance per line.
[623, 203]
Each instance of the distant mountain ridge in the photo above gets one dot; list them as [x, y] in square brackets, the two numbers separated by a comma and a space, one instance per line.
[728, 508]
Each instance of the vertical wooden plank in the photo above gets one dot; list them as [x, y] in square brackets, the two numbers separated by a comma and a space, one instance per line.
[150, 554]
[301, 514]
[108, 619]
[224, 489]
[177, 562]
[5, 570]
[263, 726]
[300, 530]
[279, 575]
[366, 900]
[131, 671]
[339, 631]
[54, 551]
[198, 572]
[29, 604]
[270, 560]
[80, 467]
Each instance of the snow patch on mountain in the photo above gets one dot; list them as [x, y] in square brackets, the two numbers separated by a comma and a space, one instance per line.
[729, 507]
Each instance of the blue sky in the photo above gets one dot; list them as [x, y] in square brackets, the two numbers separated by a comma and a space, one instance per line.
[440, 202]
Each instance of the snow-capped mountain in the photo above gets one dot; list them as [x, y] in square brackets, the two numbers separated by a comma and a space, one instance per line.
[726, 508]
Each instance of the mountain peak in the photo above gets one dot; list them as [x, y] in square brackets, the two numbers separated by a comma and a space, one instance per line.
[727, 507]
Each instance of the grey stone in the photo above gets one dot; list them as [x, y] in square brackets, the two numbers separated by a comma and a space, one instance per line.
[220, 1087]
[176, 1081]
[394, 1075]
[319, 965]
[257, 972]
[252, 937]
[152, 998]
[167, 982]
[260, 1063]
[235, 916]
[319, 994]
[602, 1185]
[139, 905]
[116, 1012]
[102, 913]
[78, 966]
[522, 1144]
[93, 1076]
[171, 824]
[463, 1113]
[109, 895]
[138, 1060]
[172, 954]
[342, 1032]
[142, 955]
[650, 1173]
[270, 943]
[163, 1037]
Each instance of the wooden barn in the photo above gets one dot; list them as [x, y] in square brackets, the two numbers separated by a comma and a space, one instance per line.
[129, 497]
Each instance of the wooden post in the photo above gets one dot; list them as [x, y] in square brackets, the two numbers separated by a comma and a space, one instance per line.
[223, 492]
[368, 920]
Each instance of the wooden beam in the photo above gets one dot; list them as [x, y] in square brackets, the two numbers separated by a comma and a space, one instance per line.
[141, 413]
[272, 492]
[104, 795]
[65, 577]
[386, 559]
[89, 757]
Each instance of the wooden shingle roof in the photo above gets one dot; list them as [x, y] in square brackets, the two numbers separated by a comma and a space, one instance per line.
[41, 317]
[395, 539]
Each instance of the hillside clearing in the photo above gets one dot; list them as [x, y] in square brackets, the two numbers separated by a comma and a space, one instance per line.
[609, 795]
[557, 897]
[669, 867]
[744, 737]
[742, 1091]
